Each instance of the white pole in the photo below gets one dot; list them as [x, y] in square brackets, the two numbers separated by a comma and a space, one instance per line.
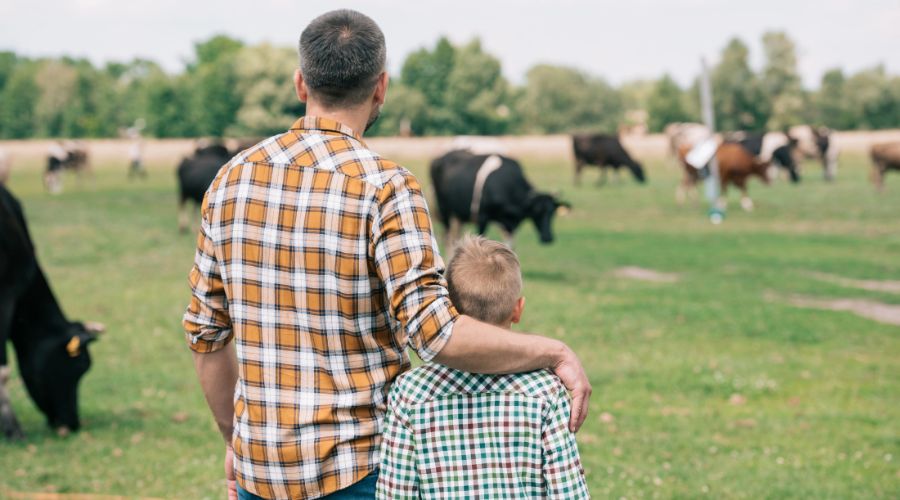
[716, 213]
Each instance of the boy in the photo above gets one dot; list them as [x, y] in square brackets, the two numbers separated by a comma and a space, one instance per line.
[452, 434]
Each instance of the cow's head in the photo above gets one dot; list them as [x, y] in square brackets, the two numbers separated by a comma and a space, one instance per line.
[541, 208]
[823, 140]
[60, 364]
[638, 171]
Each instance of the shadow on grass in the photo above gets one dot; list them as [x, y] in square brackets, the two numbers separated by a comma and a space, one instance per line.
[548, 276]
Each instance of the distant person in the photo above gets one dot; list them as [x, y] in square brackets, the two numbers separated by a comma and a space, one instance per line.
[136, 151]
[440, 419]
[316, 268]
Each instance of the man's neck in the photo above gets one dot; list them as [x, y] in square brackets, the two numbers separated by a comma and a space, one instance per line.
[355, 118]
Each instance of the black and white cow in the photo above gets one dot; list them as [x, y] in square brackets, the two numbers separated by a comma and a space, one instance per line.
[489, 188]
[195, 174]
[817, 143]
[603, 151]
[51, 351]
[65, 156]
[776, 148]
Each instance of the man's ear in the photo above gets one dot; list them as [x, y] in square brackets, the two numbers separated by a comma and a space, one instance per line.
[381, 89]
[517, 312]
[300, 86]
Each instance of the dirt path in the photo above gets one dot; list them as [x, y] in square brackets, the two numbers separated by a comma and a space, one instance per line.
[876, 311]
[644, 274]
[871, 285]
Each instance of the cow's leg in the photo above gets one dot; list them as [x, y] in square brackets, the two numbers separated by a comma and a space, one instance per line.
[9, 424]
[746, 202]
[722, 201]
[579, 166]
[878, 176]
[452, 235]
[683, 189]
[602, 180]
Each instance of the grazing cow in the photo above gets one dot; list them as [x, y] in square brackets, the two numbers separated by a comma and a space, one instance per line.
[51, 351]
[885, 156]
[489, 188]
[777, 148]
[603, 151]
[736, 165]
[195, 174]
[689, 134]
[817, 143]
[65, 156]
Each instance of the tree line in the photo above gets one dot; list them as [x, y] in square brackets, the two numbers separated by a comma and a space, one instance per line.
[232, 89]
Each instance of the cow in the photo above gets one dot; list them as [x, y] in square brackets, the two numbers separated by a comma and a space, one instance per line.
[736, 165]
[777, 148]
[51, 351]
[603, 151]
[481, 189]
[885, 156]
[65, 156]
[680, 134]
[195, 174]
[817, 143]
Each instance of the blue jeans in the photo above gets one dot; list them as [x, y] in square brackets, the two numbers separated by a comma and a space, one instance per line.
[364, 489]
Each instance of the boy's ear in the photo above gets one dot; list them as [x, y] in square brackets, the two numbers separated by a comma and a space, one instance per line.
[517, 312]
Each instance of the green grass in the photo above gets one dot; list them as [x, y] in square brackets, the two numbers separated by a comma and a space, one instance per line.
[822, 389]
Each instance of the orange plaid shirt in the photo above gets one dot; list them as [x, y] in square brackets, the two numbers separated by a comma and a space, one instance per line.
[317, 256]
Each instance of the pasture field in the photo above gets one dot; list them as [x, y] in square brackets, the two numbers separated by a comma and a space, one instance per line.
[709, 384]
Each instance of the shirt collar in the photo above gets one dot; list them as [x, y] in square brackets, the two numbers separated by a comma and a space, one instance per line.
[324, 125]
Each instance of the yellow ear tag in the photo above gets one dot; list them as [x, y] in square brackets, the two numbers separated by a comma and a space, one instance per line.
[74, 347]
[562, 211]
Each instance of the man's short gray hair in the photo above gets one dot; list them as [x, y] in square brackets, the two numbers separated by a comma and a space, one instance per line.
[342, 55]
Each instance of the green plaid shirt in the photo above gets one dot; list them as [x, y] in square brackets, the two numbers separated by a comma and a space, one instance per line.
[451, 434]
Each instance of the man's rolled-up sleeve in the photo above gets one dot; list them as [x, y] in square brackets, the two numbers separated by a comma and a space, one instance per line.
[407, 261]
[206, 322]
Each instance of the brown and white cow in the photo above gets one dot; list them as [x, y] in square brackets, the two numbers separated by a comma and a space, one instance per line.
[885, 156]
[736, 166]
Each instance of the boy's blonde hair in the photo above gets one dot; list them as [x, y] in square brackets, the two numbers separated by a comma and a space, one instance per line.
[484, 279]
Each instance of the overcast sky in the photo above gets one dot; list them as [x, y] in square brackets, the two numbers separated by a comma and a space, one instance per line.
[621, 40]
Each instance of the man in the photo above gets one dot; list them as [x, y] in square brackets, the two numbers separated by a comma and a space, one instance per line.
[316, 256]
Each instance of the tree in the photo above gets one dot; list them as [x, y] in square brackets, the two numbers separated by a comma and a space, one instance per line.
[403, 107]
[559, 99]
[214, 50]
[829, 102]
[477, 92]
[781, 82]
[214, 79]
[167, 105]
[666, 104]
[18, 101]
[429, 73]
[56, 88]
[875, 96]
[740, 103]
[269, 104]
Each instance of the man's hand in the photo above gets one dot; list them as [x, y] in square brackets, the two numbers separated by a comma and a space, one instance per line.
[572, 375]
[230, 483]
